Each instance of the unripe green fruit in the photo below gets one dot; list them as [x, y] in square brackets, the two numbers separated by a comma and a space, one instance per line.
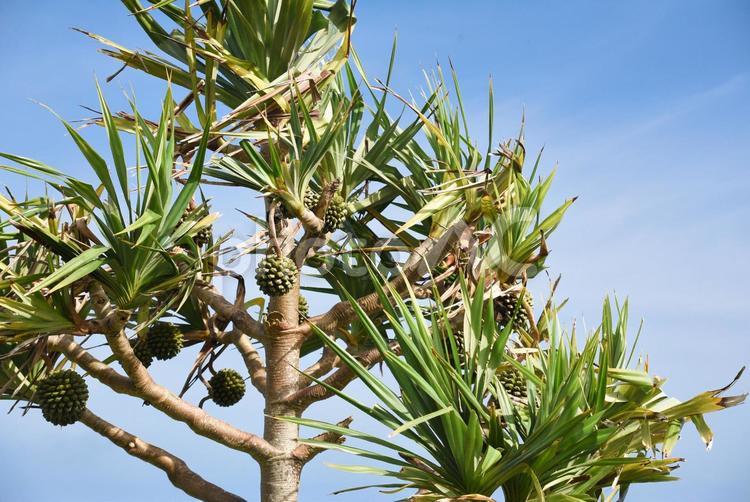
[505, 307]
[276, 275]
[488, 208]
[311, 199]
[62, 397]
[335, 215]
[336, 212]
[202, 236]
[514, 383]
[227, 387]
[142, 352]
[303, 308]
[164, 340]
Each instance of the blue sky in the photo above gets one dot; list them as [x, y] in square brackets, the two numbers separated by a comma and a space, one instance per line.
[643, 105]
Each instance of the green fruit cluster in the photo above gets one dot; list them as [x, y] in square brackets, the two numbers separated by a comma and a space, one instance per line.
[311, 199]
[62, 397]
[276, 275]
[507, 305]
[227, 387]
[335, 215]
[202, 236]
[514, 383]
[164, 340]
[336, 212]
[487, 206]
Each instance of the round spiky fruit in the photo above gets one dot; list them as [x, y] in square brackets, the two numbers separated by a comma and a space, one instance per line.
[142, 352]
[303, 308]
[227, 387]
[62, 397]
[335, 215]
[276, 275]
[164, 340]
[505, 307]
[514, 383]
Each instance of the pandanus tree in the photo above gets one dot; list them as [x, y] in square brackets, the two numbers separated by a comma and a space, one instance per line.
[427, 242]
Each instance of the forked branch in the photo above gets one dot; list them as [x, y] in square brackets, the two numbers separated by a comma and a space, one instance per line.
[165, 401]
[328, 360]
[198, 420]
[161, 398]
[227, 310]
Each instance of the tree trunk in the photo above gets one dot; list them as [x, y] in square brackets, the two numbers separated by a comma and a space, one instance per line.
[280, 476]
[280, 480]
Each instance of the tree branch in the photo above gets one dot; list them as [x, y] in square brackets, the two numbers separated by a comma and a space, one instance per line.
[174, 467]
[198, 420]
[229, 311]
[65, 344]
[160, 397]
[305, 453]
[421, 260]
[250, 356]
[114, 320]
[313, 221]
[311, 241]
[322, 366]
[338, 380]
[165, 401]
[310, 222]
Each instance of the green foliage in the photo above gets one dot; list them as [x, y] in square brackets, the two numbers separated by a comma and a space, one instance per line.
[120, 237]
[250, 44]
[489, 396]
[18, 372]
[585, 421]
[241, 53]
